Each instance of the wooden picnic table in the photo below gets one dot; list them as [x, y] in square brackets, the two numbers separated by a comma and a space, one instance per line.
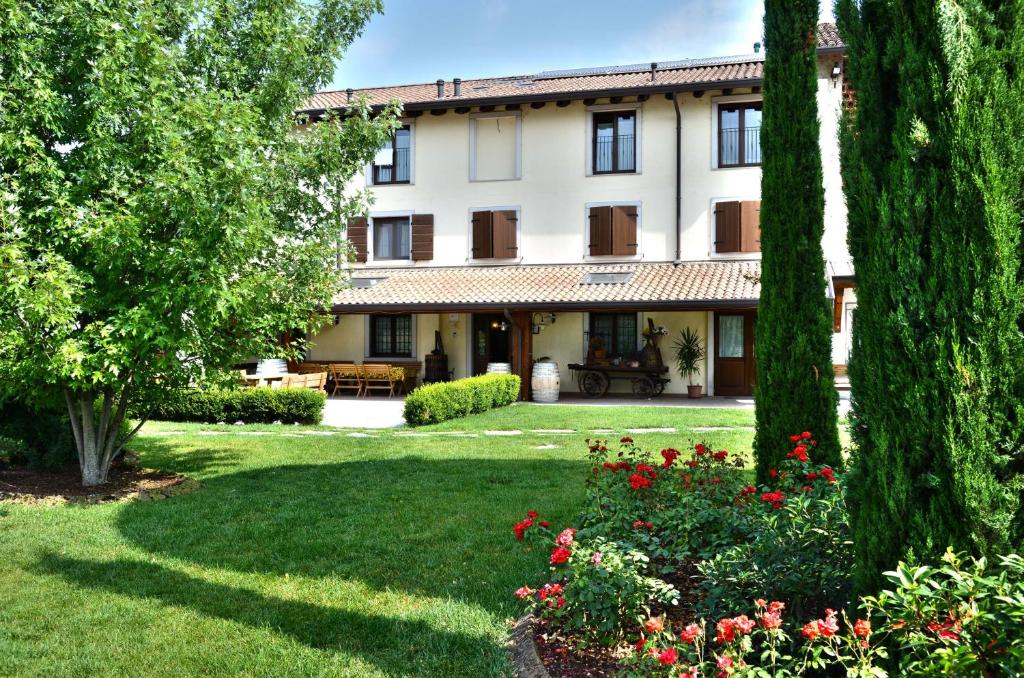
[594, 380]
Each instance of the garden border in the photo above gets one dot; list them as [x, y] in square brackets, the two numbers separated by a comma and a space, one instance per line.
[524, 651]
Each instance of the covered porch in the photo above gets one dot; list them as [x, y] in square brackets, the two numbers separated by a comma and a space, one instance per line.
[451, 323]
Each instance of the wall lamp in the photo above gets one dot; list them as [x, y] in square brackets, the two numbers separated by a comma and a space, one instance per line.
[537, 321]
[837, 70]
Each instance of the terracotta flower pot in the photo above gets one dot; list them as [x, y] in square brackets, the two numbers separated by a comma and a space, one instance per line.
[694, 390]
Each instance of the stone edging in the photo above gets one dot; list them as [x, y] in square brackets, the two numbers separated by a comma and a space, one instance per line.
[523, 650]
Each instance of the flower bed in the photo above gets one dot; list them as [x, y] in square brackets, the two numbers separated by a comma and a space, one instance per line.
[678, 566]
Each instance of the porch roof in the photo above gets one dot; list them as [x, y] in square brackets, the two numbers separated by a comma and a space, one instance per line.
[683, 286]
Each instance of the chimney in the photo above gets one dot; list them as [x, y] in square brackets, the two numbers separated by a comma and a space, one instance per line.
[457, 84]
[757, 48]
[440, 88]
[654, 67]
[348, 95]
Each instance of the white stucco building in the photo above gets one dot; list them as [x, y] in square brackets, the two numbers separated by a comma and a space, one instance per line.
[523, 217]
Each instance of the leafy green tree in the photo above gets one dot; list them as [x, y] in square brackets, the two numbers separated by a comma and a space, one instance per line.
[795, 382]
[160, 214]
[933, 167]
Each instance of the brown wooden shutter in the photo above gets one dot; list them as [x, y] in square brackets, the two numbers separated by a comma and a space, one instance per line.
[504, 230]
[624, 230]
[482, 236]
[600, 231]
[357, 232]
[750, 220]
[727, 227]
[422, 237]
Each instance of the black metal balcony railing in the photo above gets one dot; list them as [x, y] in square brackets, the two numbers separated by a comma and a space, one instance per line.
[733, 140]
[615, 154]
[398, 173]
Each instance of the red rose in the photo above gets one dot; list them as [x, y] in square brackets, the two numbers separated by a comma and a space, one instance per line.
[810, 630]
[523, 592]
[654, 625]
[625, 439]
[532, 514]
[862, 628]
[559, 555]
[520, 530]
[720, 456]
[806, 435]
[724, 632]
[637, 481]
[743, 623]
[544, 524]
[668, 656]
[771, 620]
[772, 472]
[690, 633]
[565, 537]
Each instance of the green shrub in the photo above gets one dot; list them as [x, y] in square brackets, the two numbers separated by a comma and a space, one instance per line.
[44, 437]
[453, 399]
[250, 405]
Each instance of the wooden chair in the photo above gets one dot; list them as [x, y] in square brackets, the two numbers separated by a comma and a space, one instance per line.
[378, 377]
[346, 377]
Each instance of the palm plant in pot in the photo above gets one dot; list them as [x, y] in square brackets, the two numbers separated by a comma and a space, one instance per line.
[689, 351]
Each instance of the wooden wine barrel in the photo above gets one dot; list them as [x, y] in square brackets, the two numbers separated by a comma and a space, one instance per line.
[546, 382]
[499, 368]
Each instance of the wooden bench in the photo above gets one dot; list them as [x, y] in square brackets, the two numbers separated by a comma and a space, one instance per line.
[312, 380]
[378, 377]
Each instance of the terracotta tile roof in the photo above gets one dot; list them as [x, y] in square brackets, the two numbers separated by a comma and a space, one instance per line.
[635, 78]
[694, 285]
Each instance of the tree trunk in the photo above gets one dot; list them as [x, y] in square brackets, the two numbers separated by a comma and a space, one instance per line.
[97, 434]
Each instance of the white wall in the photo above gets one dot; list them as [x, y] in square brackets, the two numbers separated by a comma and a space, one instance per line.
[830, 101]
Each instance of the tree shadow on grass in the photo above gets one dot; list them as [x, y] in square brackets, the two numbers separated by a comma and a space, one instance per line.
[431, 527]
[318, 627]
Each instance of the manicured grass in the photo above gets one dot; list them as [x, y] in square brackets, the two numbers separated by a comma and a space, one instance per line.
[306, 553]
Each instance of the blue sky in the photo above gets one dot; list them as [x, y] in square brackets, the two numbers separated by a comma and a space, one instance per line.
[423, 40]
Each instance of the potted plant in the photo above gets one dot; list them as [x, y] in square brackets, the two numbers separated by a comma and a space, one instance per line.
[689, 351]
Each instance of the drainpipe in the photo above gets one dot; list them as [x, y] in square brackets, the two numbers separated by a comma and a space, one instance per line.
[679, 177]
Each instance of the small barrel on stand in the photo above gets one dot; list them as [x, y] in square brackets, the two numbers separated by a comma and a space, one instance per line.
[545, 381]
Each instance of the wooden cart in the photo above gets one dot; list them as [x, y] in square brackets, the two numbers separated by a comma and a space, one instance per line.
[594, 380]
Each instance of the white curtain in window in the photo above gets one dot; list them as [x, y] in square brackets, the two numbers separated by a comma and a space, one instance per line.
[730, 336]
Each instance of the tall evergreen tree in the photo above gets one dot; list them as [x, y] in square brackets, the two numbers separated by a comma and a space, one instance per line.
[795, 382]
[933, 167]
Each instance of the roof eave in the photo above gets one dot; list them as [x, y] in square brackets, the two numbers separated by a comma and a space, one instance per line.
[672, 305]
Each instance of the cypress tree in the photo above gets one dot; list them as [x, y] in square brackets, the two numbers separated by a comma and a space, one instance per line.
[933, 169]
[795, 381]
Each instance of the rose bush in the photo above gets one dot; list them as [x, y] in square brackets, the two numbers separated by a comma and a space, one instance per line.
[692, 519]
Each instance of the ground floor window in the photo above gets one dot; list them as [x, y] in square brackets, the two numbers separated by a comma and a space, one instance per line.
[391, 336]
[617, 332]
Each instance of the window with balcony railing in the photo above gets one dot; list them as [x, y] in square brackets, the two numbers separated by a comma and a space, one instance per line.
[391, 166]
[614, 142]
[739, 135]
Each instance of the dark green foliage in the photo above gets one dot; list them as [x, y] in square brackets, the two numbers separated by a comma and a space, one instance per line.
[249, 405]
[42, 435]
[933, 167]
[795, 385]
[449, 400]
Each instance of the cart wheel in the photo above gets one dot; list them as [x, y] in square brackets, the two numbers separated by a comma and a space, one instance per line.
[659, 387]
[644, 387]
[593, 384]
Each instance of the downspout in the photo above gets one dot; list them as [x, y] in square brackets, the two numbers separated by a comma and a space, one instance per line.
[679, 177]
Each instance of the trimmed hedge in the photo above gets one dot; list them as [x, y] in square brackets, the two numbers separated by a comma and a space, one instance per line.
[251, 405]
[453, 399]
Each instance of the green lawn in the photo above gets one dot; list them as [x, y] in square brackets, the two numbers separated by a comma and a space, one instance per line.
[308, 554]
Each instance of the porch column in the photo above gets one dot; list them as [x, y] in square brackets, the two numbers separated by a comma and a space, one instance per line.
[522, 351]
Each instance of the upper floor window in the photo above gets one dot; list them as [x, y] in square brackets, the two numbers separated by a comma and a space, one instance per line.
[739, 134]
[391, 238]
[737, 226]
[614, 142]
[392, 162]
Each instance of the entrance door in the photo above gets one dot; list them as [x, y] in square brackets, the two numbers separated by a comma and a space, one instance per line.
[492, 341]
[735, 369]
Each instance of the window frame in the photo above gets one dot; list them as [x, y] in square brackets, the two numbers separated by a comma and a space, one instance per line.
[494, 261]
[473, 117]
[371, 336]
[371, 239]
[615, 120]
[716, 127]
[591, 130]
[371, 167]
[638, 204]
[616, 316]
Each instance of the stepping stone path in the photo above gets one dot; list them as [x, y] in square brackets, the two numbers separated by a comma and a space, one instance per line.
[652, 430]
[602, 430]
[503, 433]
[357, 434]
[552, 430]
[708, 429]
[545, 447]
